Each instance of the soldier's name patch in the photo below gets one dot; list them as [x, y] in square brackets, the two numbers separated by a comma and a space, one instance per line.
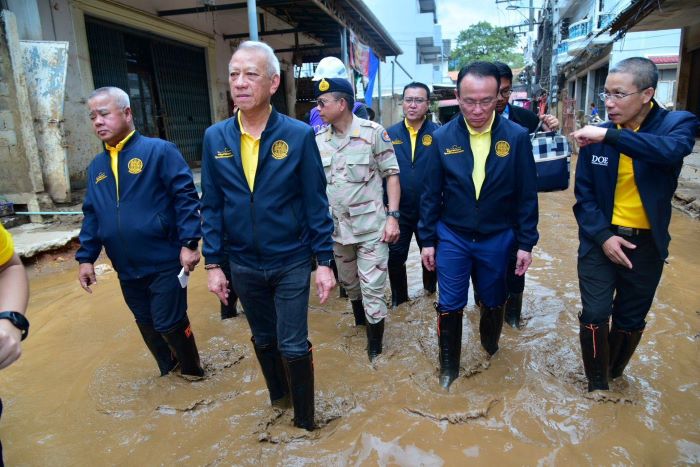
[385, 137]
[396, 141]
[502, 148]
[101, 176]
[280, 149]
[427, 140]
[135, 166]
[225, 154]
[454, 150]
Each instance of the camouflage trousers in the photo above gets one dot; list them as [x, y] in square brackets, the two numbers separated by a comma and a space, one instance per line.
[362, 271]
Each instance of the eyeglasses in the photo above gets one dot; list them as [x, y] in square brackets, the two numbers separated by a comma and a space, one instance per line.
[414, 100]
[506, 93]
[324, 102]
[484, 103]
[616, 96]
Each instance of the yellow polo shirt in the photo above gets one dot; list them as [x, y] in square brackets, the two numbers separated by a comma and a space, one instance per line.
[628, 210]
[414, 135]
[7, 247]
[250, 148]
[480, 143]
[114, 157]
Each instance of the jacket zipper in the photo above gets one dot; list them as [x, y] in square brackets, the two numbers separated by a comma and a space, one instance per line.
[119, 229]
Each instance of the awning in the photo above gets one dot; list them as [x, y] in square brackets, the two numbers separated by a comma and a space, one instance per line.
[670, 14]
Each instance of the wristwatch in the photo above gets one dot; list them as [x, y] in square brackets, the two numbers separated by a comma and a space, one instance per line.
[394, 214]
[327, 263]
[192, 244]
[18, 320]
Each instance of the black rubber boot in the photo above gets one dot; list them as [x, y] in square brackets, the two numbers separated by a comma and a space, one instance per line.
[622, 347]
[596, 353]
[429, 281]
[490, 326]
[359, 311]
[514, 306]
[272, 368]
[450, 344]
[159, 348]
[399, 284]
[181, 341]
[300, 374]
[375, 335]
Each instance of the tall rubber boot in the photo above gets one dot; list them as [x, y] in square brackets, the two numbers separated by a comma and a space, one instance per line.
[229, 311]
[300, 374]
[399, 284]
[159, 348]
[272, 368]
[342, 293]
[358, 310]
[596, 353]
[514, 305]
[622, 347]
[375, 335]
[450, 344]
[490, 326]
[429, 281]
[181, 341]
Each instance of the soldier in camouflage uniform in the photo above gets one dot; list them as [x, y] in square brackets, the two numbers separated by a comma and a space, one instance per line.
[356, 155]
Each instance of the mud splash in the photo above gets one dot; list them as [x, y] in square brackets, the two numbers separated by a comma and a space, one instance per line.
[86, 391]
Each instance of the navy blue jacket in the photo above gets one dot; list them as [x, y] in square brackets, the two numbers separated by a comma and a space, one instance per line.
[411, 170]
[508, 197]
[285, 218]
[155, 214]
[657, 150]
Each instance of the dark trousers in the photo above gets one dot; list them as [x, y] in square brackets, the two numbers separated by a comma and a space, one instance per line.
[157, 299]
[276, 303]
[398, 252]
[608, 289]
[514, 284]
[457, 256]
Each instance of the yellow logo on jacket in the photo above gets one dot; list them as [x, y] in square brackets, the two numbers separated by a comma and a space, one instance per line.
[101, 176]
[427, 140]
[454, 149]
[135, 166]
[280, 149]
[502, 148]
[396, 141]
[225, 154]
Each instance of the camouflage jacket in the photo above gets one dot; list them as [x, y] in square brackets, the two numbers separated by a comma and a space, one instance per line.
[355, 165]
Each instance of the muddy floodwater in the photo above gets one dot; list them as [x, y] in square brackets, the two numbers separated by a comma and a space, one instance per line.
[87, 392]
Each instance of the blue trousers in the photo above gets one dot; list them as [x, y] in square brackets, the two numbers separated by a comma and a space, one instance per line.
[276, 303]
[459, 255]
[157, 299]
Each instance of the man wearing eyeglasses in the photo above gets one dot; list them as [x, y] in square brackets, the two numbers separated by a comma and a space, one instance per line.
[357, 154]
[411, 139]
[480, 198]
[626, 174]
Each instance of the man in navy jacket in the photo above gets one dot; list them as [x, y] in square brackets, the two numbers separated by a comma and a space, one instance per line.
[142, 206]
[626, 175]
[264, 207]
[411, 139]
[480, 198]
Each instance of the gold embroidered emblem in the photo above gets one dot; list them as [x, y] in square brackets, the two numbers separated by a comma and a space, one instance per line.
[225, 154]
[323, 85]
[135, 166]
[396, 141]
[280, 149]
[101, 176]
[427, 140]
[502, 148]
[453, 150]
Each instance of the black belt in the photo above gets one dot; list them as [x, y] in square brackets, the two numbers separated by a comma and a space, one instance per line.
[629, 231]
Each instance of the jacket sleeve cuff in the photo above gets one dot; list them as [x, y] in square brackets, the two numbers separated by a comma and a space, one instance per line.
[324, 256]
[428, 243]
[603, 236]
[525, 247]
[611, 136]
[212, 259]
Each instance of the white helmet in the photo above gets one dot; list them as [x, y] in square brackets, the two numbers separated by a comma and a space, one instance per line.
[330, 67]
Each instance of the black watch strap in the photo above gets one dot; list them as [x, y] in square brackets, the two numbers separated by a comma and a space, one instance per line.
[192, 244]
[327, 263]
[18, 320]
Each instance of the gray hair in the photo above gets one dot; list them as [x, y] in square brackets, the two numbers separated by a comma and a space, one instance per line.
[120, 97]
[644, 72]
[273, 64]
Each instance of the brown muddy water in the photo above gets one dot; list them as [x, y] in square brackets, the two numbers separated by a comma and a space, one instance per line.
[86, 390]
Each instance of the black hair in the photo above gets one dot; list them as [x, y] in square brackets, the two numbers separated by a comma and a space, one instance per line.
[346, 97]
[643, 71]
[480, 69]
[416, 84]
[504, 70]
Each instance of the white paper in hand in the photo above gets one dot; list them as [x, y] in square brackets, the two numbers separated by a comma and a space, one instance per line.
[183, 277]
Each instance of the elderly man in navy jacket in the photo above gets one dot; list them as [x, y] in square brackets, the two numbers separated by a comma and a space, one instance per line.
[411, 139]
[480, 198]
[264, 207]
[142, 206]
[626, 174]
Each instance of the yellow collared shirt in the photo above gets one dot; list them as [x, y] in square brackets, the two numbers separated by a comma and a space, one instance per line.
[7, 248]
[628, 210]
[114, 157]
[480, 143]
[250, 149]
[414, 136]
